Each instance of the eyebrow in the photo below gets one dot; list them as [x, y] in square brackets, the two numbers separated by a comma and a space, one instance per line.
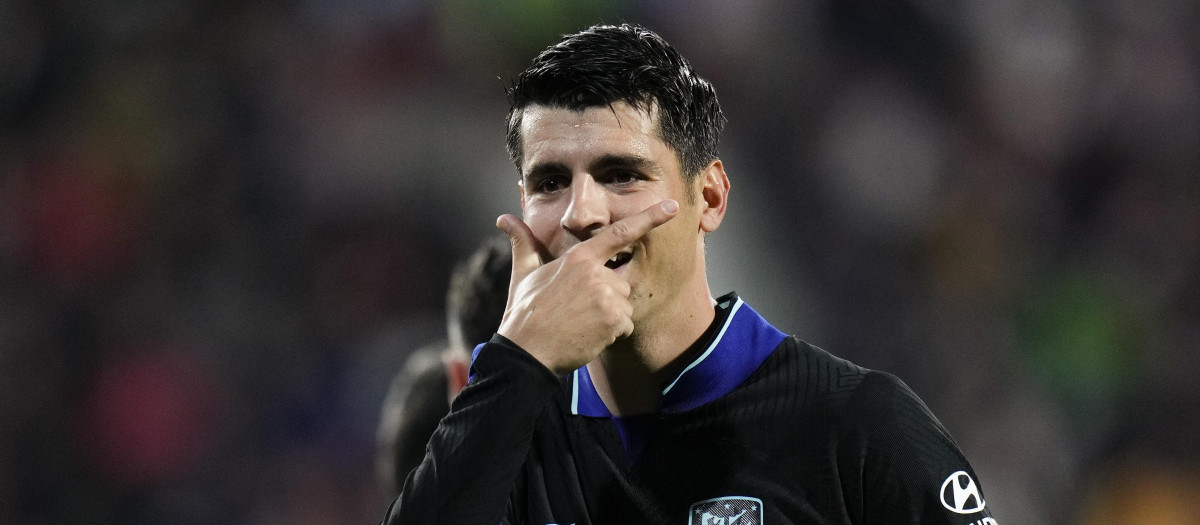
[626, 161]
[545, 169]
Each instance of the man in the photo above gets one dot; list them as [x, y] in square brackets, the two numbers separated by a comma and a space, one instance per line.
[617, 390]
[432, 376]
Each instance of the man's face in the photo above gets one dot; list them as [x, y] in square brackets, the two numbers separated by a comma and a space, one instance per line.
[583, 171]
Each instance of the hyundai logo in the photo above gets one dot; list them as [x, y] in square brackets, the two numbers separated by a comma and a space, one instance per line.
[960, 494]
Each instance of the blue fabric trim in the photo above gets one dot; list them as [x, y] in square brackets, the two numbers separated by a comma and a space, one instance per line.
[471, 369]
[587, 401]
[747, 342]
[736, 305]
[736, 351]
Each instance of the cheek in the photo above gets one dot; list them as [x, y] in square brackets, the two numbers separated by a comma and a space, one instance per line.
[622, 206]
[543, 221]
[676, 239]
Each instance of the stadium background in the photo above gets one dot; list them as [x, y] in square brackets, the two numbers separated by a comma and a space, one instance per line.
[223, 226]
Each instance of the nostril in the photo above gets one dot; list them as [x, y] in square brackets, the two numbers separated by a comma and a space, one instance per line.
[582, 231]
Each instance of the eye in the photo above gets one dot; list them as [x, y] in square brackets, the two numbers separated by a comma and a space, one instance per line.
[549, 185]
[623, 177]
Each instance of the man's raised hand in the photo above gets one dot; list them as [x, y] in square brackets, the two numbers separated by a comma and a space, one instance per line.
[566, 311]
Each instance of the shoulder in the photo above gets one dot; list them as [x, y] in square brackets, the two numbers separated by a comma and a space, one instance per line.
[890, 437]
[871, 402]
[885, 437]
[813, 377]
[895, 458]
[417, 383]
[415, 402]
[860, 408]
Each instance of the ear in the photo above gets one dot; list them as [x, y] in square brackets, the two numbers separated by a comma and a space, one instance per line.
[714, 195]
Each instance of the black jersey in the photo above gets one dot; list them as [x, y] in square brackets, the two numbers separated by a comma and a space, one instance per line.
[759, 428]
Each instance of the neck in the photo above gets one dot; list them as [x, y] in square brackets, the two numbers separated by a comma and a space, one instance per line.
[629, 374]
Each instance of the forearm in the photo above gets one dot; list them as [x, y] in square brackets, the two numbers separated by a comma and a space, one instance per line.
[475, 456]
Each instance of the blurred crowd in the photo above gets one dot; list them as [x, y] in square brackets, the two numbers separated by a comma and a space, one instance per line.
[225, 225]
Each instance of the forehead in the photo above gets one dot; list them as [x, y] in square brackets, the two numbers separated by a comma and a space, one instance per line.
[569, 136]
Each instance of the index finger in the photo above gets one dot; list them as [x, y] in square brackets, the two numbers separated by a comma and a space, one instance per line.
[625, 231]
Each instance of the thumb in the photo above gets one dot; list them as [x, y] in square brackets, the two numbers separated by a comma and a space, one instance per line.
[525, 250]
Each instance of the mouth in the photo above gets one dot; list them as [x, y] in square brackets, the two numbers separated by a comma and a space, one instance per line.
[619, 260]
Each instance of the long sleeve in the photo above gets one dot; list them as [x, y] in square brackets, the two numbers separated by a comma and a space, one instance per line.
[473, 459]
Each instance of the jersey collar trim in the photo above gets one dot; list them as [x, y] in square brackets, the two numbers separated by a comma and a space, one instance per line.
[743, 342]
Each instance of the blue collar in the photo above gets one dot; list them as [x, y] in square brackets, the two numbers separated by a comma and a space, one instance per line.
[731, 353]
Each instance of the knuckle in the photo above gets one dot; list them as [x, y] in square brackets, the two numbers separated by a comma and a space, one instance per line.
[615, 316]
[622, 230]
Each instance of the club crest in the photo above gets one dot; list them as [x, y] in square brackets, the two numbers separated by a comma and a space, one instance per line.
[728, 510]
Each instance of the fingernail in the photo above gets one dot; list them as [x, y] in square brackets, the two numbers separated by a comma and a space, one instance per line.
[670, 206]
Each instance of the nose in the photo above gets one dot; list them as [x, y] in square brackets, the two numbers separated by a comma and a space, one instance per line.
[587, 210]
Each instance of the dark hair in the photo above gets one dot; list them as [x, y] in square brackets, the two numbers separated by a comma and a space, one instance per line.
[605, 64]
[479, 292]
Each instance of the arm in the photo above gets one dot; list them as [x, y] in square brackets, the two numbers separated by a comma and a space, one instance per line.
[560, 315]
[473, 459]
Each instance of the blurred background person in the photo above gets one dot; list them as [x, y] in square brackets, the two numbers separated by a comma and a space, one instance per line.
[421, 393]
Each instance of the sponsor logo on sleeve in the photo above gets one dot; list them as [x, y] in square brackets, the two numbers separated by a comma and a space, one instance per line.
[728, 510]
[960, 494]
